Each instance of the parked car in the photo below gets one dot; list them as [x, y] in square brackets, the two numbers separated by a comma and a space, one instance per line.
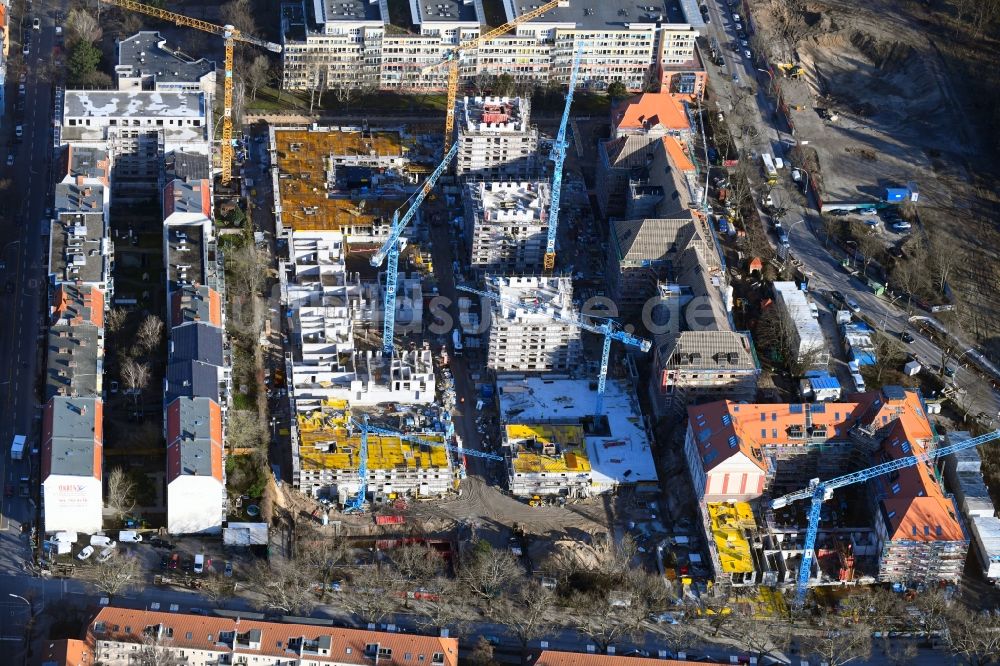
[747, 54]
[107, 553]
[839, 212]
[36, 24]
[949, 371]
[100, 540]
[199, 563]
[837, 296]
[901, 225]
[85, 553]
[175, 561]
[852, 305]
[165, 562]
[906, 337]
[736, 18]
[10, 159]
[129, 536]
[229, 570]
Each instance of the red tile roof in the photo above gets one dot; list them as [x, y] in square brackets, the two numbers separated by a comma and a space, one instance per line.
[66, 653]
[649, 110]
[273, 639]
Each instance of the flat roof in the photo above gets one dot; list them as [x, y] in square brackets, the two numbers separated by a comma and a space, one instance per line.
[493, 115]
[78, 247]
[554, 294]
[79, 198]
[184, 165]
[614, 15]
[146, 54]
[185, 255]
[546, 448]
[445, 11]
[74, 363]
[87, 162]
[347, 10]
[117, 104]
[498, 201]
[620, 455]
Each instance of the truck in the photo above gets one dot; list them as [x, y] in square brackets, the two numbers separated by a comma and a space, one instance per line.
[17, 447]
[770, 172]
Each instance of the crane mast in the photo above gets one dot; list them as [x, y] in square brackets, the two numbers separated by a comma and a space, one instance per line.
[558, 157]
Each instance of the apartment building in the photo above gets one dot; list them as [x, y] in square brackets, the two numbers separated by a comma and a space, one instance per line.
[527, 341]
[196, 485]
[738, 452]
[653, 115]
[507, 223]
[496, 139]
[118, 636]
[74, 358]
[72, 458]
[643, 253]
[801, 330]
[544, 419]
[390, 46]
[80, 251]
[145, 62]
[328, 459]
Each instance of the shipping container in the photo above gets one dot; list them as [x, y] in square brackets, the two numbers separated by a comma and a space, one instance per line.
[389, 520]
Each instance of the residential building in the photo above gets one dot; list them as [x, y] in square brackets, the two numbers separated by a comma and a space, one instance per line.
[697, 365]
[358, 45]
[329, 450]
[800, 328]
[188, 202]
[729, 524]
[146, 63]
[554, 658]
[963, 473]
[66, 652]
[196, 485]
[530, 341]
[643, 253]
[652, 115]
[198, 365]
[496, 140]
[193, 304]
[72, 457]
[738, 452]
[80, 251]
[618, 447]
[986, 539]
[74, 359]
[507, 224]
[115, 635]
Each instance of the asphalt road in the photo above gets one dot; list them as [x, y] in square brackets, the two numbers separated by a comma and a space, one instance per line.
[806, 238]
[24, 274]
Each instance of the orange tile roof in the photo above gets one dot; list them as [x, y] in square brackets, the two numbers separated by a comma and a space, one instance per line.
[553, 658]
[677, 154]
[70, 652]
[651, 109]
[345, 646]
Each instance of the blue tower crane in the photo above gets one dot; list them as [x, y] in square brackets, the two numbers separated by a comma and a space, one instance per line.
[357, 503]
[558, 157]
[390, 249]
[820, 491]
[608, 329]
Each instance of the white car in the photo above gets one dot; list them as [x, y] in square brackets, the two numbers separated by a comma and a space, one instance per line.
[36, 24]
[852, 305]
[747, 54]
[107, 553]
[736, 17]
[85, 553]
[10, 159]
[902, 225]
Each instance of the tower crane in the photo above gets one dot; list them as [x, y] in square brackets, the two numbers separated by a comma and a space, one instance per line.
[454, 55]
[820, 491]
[357, 503]
[230, 34]
[558, 157]
[608, 329]
[390, 249]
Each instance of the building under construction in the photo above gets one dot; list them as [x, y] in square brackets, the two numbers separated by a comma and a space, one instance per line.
[507, 226]
[327, 458]
[495, 139]
[547, 459]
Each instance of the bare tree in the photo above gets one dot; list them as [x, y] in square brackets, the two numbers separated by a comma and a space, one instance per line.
[417, 562]
[435, 605]
[887, 352]
[246, 430]
[239, 14]
[488, 572]
[852, 642]
[343, 93]
[934, 609]
[257, 73]
[114, 320]
[218, 588]
[283, 586]
[973, 637]
[117, 575]
[135, 375]
[606, 618]
[121, 494]
[82, 25]
[525, 612]
[150, 333]
[482, 653]
[482, 82]
[871, 249]
[319, 555]
[155, 650]
[373, 594]
[945, 256]
[760, 635]
[614, 558]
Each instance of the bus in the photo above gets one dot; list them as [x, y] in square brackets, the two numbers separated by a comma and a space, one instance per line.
[770, 172]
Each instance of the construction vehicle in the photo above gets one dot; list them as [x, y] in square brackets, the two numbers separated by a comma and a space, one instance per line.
[390, 249]
[230, 34]
[535, 501]
[357, 503]
[820, 491]
[608, 329]
[454, 56]
[558, 157]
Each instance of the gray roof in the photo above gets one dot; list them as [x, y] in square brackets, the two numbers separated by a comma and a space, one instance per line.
[73, 435]
[191, 304]
[87, 162]
[194, 437]
[614, 15]
[706, 350]
[191, 379]
[118, 104]
[185, 196]
[73, 198]
[350, 10]
[186, 166]
[145, 54]
[76, 244]
[196, 342]
[73, 362]
[435, 11]
[652, 239]
[185, 255]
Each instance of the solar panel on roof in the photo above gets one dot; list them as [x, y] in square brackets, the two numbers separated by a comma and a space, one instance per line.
[726, 419]
[733, 441]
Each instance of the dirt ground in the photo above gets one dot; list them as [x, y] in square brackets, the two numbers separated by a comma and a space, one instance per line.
[904, 80]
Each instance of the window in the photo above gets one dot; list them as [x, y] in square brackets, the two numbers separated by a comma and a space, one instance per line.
[188, 635]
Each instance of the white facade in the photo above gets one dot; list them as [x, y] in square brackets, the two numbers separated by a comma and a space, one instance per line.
[496, 139]
[72, 503]
[986, 537]
[805, 335]
[194, 505]
[524, 341]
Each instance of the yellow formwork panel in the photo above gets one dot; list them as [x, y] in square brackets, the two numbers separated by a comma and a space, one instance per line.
[338, 450]
[727, 522]
[569, 439]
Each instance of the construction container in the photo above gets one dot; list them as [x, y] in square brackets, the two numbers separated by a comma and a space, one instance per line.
[389, 520]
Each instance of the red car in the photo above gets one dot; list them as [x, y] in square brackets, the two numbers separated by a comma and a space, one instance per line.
[8, 491]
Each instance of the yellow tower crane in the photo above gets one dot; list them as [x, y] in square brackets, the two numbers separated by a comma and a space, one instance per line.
[230, 34]
[453, 57]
